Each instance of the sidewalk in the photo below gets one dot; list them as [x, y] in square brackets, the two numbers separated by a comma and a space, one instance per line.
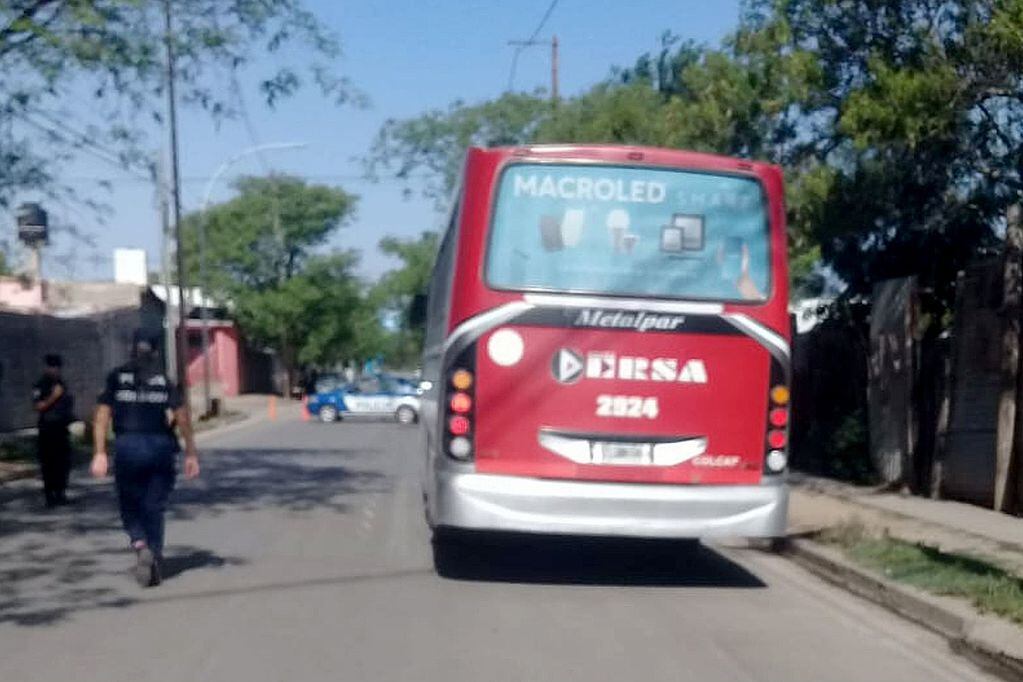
[237, 410]
[818, 503]
[991, 641]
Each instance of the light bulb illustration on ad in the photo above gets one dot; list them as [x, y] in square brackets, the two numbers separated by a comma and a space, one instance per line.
[618, 223]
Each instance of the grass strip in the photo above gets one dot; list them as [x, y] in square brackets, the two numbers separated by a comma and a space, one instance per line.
[989, 588]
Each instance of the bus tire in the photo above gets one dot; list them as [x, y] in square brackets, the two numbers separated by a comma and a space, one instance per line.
[449, 552]
[769, 545]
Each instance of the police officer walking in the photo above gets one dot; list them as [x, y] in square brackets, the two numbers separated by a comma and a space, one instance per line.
[144, 405]
[54, 404]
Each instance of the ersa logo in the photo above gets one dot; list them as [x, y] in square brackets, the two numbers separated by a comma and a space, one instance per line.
[569, 366]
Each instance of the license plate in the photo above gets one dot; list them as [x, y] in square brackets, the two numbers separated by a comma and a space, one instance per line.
[621, 453]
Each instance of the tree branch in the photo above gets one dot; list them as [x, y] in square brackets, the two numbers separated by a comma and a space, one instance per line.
[27, 14]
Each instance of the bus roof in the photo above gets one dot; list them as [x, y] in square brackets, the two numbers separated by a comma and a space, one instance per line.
[618, 153]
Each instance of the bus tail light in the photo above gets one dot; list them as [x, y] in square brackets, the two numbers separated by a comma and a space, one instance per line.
[776, 461]
[460, 403]
[776, 458]
[458, 425]
[461, 379]
[460, 447]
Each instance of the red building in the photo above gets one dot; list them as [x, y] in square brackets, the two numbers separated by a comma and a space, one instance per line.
[226, 353]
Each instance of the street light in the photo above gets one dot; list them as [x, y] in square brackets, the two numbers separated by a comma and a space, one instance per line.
[203, 310]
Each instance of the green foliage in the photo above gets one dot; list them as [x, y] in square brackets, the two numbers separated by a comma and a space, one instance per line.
[267, 233]
[989, 588]
[432, 145]
[609, 113]
[413, 277]
[84, 75]
[899, 125]
[264, 254]
[848, 448]
[740, 100]
[902, 106]
[309, 317]
[918, 117]
[395, 291]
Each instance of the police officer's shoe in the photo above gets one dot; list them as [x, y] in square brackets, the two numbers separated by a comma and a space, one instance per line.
[156, 575]
[146, 572]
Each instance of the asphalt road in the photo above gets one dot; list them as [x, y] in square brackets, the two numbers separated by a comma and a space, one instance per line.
[302, 556]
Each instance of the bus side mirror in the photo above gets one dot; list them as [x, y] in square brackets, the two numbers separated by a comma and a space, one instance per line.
[417, 311]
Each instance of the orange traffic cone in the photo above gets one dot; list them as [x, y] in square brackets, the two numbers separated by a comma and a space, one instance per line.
[271, 408]
[305, 408]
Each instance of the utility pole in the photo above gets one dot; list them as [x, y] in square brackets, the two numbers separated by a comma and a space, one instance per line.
[521, 44]
[172, 118]
[554, 69]
[169, 337]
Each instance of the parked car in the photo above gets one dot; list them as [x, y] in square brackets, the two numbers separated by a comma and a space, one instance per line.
[374, 396]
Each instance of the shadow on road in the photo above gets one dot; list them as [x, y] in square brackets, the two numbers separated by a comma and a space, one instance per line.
[54, 563]
[179, 562]
[282, 478]
[559, 560]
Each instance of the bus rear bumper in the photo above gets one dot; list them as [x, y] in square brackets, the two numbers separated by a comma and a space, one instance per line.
[516, 504]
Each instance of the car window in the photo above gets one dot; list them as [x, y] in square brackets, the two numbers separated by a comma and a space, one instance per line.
[327, 384]
[369, 386]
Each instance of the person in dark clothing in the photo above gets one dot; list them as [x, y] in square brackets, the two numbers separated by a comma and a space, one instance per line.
[144, 406]
[54, 404]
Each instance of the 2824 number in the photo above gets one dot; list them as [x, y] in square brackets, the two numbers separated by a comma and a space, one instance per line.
[627, 406]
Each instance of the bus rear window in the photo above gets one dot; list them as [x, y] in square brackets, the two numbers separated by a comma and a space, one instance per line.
[629, 231]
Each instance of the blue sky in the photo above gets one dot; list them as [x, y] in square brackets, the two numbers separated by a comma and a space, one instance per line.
[407, 56]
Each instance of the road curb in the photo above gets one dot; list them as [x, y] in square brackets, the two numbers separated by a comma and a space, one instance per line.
[228, 427]
[967, 633]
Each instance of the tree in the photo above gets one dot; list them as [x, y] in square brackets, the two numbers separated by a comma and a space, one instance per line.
[433, 144]
[265, 255]
[742, 99]
[87, 76]
[918, 123]
[396, 290]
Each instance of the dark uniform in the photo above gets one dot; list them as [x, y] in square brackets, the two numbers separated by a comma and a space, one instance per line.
[54, 445]
[145, 448]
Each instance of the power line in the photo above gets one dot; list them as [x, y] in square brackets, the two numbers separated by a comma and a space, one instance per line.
[546, 16]
[250, 129]
[87, 145]
[190, 179]
[521, 45]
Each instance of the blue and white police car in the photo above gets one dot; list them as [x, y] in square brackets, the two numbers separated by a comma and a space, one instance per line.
[371, 396]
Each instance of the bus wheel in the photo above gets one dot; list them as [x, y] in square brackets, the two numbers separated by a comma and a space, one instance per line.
[769, 545]
[450, 549]
[328, 414]
[405, 415]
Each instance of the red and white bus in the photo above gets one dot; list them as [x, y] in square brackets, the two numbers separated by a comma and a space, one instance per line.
[608, 346]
